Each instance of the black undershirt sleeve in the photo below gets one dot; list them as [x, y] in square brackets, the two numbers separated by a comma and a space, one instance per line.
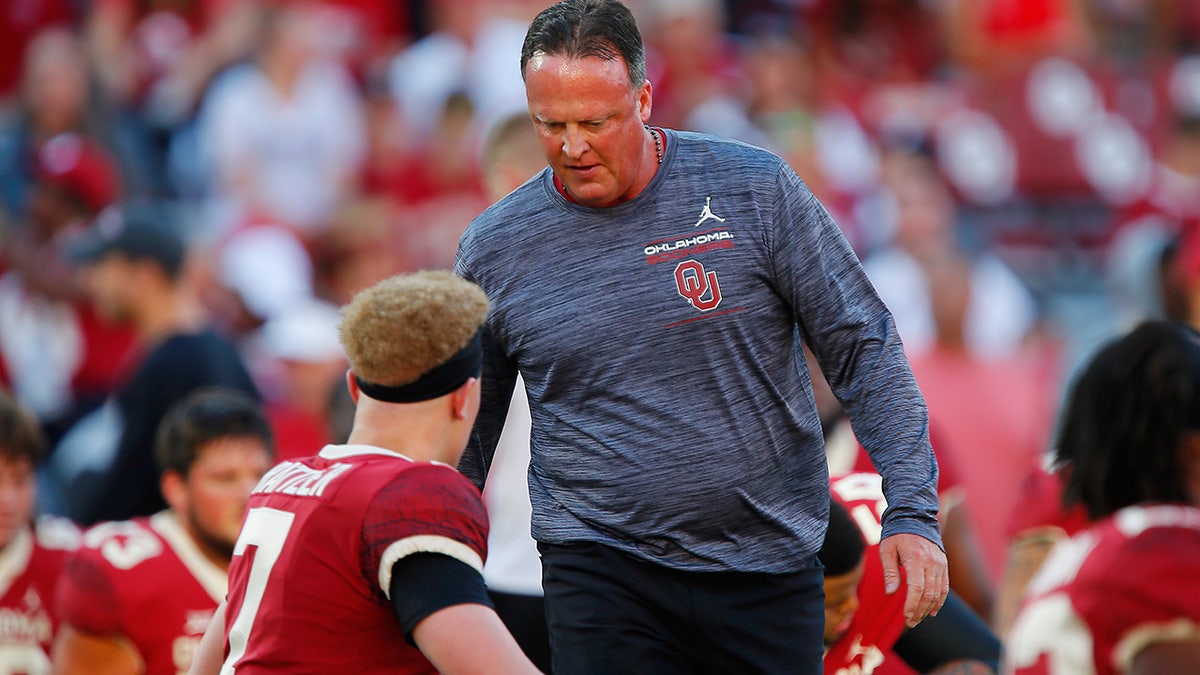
[955, 633]
[423, 583]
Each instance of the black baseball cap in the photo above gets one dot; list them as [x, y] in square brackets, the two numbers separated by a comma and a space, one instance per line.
[139, 232]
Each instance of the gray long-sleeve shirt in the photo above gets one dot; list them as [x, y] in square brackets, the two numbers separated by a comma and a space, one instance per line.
[673, 415]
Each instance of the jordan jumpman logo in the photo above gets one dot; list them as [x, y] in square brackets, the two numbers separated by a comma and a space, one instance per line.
[707, 213]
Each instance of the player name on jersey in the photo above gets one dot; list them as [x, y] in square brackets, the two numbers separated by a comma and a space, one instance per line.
[293, 478]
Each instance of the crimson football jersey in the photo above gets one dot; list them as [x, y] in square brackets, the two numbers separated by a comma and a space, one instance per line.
[1108, 592]
[311, 572]
[29, 568]
[877, 624]
[146, 580]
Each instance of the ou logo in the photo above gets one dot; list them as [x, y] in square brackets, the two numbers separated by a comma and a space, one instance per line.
[697, 286]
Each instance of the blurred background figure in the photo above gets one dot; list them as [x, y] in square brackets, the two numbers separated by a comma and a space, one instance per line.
[253, 274]
[33, 549]
[925, 230]
[446, 90]
[1122, 595]
[281, 135]
[994, 415]
[134, 262]
[690, 58]
[138, 594]
[436, 187]
[56, 353]
[20, 23]
[1149, 257]
[457, 56]
[361, 247]
[53, 97]
[152, 61]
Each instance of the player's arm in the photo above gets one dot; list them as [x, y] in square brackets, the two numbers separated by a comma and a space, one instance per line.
[1025, 556]
[80, 653]
[1166, 657]
[490, 648]
[211, 650]
[91, 638]
[968, 574]
[442, 604]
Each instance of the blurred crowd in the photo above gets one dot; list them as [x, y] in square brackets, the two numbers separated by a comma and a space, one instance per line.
[1020, 178]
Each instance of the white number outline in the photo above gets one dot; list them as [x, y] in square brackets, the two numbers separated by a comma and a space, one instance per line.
[23, 658]
[864, 487]
[124, 544]
[266, 529]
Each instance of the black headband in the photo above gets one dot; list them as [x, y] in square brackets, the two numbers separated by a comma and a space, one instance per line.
[442, 380]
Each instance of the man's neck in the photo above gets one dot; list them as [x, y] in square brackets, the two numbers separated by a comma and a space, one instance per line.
[413, 436]
[167, 314]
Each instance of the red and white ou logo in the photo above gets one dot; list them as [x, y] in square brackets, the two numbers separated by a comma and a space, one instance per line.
[698, 287]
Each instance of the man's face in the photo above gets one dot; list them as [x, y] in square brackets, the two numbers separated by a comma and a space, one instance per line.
[590, 123]
[217, 489]
[109, 282]
[841, 602]
[17, 493]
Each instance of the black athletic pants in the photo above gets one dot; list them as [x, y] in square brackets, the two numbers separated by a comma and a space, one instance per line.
[612, 613]
[525, 618]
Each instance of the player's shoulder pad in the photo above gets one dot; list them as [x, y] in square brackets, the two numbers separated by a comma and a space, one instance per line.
[122, 544]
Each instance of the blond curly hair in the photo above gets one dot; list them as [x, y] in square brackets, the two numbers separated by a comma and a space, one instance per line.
[404, 326]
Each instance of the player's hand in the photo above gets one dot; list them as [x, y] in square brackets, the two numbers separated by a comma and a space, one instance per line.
[925, 569]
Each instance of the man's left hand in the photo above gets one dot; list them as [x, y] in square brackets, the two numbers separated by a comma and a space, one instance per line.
[925, 569]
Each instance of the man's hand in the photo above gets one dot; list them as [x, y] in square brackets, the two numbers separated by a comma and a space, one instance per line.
[925, 569]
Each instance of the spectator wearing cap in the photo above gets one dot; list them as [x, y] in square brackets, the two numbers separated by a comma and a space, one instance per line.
[76, 177]
[133, 260]
[251, 274]
[56, 355]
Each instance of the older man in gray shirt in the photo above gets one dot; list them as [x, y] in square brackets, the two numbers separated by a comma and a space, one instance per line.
[653, 286]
